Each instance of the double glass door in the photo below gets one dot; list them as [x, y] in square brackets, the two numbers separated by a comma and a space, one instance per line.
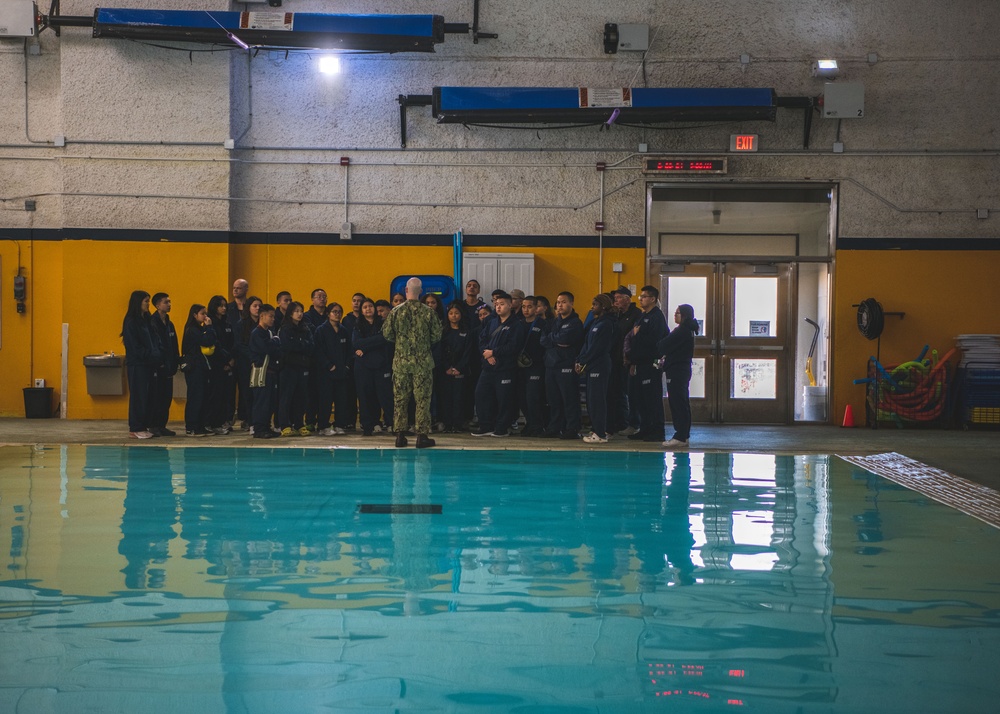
[742, 356]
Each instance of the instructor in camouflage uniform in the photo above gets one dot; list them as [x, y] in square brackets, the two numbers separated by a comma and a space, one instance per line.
[413, 327]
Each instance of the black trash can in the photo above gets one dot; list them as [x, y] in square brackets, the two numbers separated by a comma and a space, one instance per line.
[38, 402]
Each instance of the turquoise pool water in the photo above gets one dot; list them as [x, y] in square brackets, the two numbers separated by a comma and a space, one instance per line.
[194, 580]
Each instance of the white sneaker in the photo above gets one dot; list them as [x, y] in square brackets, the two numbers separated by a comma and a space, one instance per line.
[329, 431]
[339, 430]
[675, 444]
[219, 430]
[141, 434]
[377, 429]
[593, 438]
[251, 431]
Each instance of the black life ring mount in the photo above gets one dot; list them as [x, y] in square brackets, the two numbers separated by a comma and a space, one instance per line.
[871, 318]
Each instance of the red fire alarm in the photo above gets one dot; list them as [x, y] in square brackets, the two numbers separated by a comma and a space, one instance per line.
[345, 160]
[599, 226]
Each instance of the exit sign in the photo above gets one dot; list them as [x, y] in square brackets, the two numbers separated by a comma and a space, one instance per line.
[742, 142]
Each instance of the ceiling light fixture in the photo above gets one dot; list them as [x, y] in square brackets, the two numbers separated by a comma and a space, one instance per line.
[827, 68]
[329, 64]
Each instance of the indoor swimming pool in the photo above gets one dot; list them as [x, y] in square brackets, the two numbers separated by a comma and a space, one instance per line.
[166, 580]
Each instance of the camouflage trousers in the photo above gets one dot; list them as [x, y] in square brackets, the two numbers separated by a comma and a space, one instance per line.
[419, 383]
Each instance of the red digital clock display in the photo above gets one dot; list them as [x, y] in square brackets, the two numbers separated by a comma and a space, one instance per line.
[684, 166]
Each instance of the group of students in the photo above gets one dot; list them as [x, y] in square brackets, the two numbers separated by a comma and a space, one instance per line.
[285, 370]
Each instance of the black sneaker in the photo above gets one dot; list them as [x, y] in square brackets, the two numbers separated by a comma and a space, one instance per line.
[569, 436]
[268, 434]
[164, 431]
[482, 432]
[198, 432]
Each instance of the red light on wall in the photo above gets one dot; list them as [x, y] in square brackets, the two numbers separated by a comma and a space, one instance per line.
[670, 165]
[737, 673]
[743, 142]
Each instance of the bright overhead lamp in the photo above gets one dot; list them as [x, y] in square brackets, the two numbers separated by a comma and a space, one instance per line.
[329, 64]
[825, 68]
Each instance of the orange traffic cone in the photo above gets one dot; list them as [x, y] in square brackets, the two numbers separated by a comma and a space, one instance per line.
[848, 417]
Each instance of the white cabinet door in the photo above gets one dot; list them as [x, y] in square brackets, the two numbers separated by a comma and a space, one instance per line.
[506, 271]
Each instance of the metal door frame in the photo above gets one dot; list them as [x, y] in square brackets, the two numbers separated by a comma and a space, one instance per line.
[719, 347]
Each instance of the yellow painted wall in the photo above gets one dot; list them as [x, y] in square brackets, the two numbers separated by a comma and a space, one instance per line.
[944, 294]
[86, 284]
[340, 270]
[98, 278]
[345, 270]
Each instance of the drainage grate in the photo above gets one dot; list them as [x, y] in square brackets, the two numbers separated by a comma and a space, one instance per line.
[970, 498]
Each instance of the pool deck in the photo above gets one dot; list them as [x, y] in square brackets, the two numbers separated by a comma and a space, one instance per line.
[973, 455]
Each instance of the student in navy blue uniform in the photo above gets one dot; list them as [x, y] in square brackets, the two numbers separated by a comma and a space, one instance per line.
[531, 372]
[197, 346]
[562, 342]
[163, 376]
[472, 301]
[296, 339]
[499, 344]
[623, 416]
[516, 302]
[650, 327]
[222, 375]
[433, 301]
[543, 308]
[142, 357]
[234, 315]
[281, 302]
[350, 321]
[333, 351]
[457, 350]
[241, 347]
[263, 346]
[594, 363]
[677, 350]
[372, 371]
[314, 317]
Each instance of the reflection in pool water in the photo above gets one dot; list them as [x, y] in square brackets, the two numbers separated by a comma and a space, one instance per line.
[252, 580]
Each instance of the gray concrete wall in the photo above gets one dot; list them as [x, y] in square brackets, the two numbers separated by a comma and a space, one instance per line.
[145, 126]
